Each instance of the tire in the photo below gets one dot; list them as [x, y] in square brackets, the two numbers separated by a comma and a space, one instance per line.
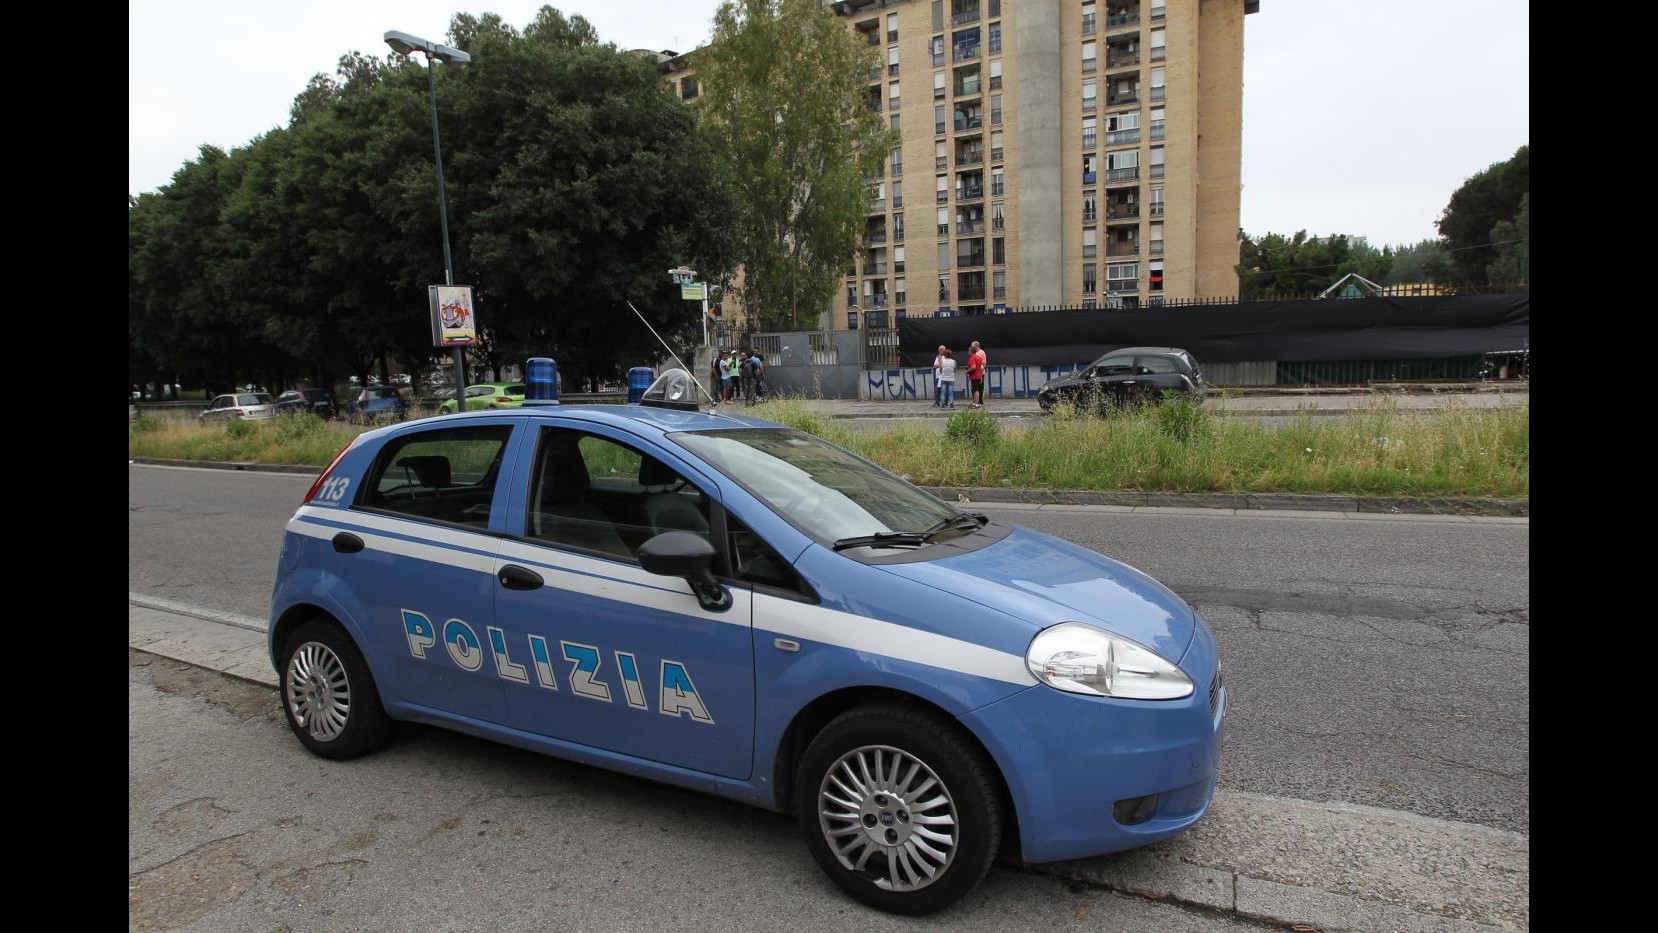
[956, 820]
[320, 646]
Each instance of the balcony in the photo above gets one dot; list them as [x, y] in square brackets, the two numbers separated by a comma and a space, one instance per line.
[876, 300]
[1157, 247]
[976, 294]
[967, 89]
[972, 193]
[1122, 20]
[1156, 208]
[1157, 92]
[878, 268]
[1122, 285]
[1117, 176]
[1123, 99]
[1121, 211]
[1122, 137]
[1122, 59]
[965, 52]
[965, 123]
[1130, 248]
[970, 158]
[877, 205]
[872, 37]
[1157, 130]
[964, 17]
[875, 236]
[969, 227]
[970, 261]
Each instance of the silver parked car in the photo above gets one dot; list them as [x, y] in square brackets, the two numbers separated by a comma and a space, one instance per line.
[244, 406]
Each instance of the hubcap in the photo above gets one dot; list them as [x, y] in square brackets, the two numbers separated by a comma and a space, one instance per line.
[319, 695]
[887, 816]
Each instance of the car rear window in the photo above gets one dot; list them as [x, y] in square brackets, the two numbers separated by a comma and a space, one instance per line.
[257, 399]
[514, 390]
[380, 393]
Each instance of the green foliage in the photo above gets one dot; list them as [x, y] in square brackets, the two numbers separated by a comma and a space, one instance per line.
[144, 426]
[1470, 220]
[974, 426]
[1182, 418]
[1275, 264]
[1513, 248]
[299, 427]
[237, 429]
[784, 106]
[1419, 263]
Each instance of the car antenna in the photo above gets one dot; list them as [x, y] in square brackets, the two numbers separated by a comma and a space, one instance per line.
[694, 380]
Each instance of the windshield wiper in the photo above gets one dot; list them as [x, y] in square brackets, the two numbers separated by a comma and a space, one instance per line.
[882, 539]
[964, 521]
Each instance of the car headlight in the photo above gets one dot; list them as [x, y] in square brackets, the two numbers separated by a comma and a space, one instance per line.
[1080, 658]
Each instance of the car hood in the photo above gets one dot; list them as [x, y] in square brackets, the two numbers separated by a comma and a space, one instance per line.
[1044, 580]
[1060, 382]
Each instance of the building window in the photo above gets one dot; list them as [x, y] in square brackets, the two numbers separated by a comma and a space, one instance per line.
[938, 121]
[1122, 277]
[1156, 162]
[1090, 282]
[851, 296]
[1089, 135]
[898, 264]
[995, 7]
[1158, 123]
[897, 195]
[1090, 94]
[1090, 245]
[995, 38]
[851, 320]
[995, 110]
[1157, 201]
[942, 189]
[892, 62]
[1158, 76]
[892, 27]
[688, 88]
[995, 182]
[999, 284]
[1090, 163]
[1157, 276]
[944, 230]
[1088, 59]
[998, 251]
[898, 228]
[1159, 8]
[1122, 128]
[892, 95]
[1090, 207]
[898, 287]
[996, 75]
[1158, 37]
[1157, 239]
[897, 161]
[938, 85]
[996, 220]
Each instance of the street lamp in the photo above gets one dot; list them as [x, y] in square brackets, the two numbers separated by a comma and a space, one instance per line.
[404, 44]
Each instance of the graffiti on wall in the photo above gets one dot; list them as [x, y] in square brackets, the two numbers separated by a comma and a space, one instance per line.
[890, 385]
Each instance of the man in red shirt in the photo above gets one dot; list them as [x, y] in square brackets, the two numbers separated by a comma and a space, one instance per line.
[975, 374]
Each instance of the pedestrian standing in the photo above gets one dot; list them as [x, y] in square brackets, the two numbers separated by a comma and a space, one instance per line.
[745, 369]
[716, 379]
[944, 371]
[760, 390]
[976, 362]
[731, 375]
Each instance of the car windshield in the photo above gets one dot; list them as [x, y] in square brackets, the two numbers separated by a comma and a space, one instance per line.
[255, 399]
[826, 491]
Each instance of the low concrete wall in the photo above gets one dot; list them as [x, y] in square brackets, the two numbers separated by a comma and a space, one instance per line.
[909, 384]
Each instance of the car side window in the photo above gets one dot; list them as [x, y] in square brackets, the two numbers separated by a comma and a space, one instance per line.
[1156, 366]
[592, 493]
[1115, 366]
[477, 391]
[446, 475]
[753, 560]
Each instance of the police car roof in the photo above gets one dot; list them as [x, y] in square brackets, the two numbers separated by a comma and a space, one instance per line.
[635, 416]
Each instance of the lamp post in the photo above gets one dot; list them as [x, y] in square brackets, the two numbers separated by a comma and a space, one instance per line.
[404, 44]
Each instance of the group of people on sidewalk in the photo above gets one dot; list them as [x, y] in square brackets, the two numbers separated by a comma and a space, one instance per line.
[944, 376]
[738, 375]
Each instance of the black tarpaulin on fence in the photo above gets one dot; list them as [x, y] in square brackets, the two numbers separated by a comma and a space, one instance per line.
[1331, 329]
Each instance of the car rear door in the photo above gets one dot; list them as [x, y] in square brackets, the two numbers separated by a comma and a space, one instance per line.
[605, 654]
[1157, 374]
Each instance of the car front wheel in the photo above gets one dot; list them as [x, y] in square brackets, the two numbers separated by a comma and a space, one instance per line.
[899, 807]
[328, 694]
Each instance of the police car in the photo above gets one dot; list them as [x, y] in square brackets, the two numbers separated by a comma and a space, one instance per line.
[732, 606]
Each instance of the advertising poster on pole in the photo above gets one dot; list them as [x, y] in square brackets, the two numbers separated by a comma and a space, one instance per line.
[454, 323]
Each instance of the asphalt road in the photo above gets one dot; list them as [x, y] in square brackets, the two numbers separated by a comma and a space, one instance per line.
[1373, 661]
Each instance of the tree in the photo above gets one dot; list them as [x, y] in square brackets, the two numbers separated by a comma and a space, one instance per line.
[1486, 199]
[1512, 244]
[784, 102]
[1278, 265]
[1419, 263]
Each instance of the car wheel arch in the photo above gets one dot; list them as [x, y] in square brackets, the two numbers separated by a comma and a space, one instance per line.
[810, 719]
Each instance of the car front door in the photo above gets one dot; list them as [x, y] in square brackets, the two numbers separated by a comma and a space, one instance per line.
[1113, 378]
[427, 518]
[603, 653]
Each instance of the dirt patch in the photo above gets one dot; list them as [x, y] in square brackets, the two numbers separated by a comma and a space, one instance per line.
[241, 699]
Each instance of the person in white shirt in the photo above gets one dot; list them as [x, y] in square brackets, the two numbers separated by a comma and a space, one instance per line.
[944, 378]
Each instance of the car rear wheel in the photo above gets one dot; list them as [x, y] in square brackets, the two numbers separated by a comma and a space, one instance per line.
[899, 807]
[328, 694]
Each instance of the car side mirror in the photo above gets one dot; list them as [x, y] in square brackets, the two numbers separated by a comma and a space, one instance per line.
[689, 556]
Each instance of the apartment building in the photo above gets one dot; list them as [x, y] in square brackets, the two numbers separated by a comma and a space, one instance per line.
[1078, 153]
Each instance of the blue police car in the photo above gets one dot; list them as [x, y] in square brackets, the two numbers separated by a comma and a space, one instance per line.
[732, 606]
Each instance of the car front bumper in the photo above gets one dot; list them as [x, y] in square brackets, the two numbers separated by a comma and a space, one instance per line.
[1068, 759]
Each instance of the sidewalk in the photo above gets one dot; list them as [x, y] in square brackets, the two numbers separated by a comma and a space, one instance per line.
[1218, 402]
[1297, 863]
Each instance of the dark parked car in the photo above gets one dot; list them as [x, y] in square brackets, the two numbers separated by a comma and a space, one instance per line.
[1127, 376]
[319, 402]
[380, 403]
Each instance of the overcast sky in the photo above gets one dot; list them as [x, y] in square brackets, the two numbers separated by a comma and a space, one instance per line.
[1359, 118]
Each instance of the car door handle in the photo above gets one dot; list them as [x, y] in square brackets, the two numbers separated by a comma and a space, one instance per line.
[347, 543]
[514, 577]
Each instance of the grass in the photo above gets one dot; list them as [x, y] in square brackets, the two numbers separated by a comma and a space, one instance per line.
[1456, 450]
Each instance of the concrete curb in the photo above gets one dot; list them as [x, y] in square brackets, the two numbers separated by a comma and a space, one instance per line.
[1427, 505]
[249, 465]
[1295, 863]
